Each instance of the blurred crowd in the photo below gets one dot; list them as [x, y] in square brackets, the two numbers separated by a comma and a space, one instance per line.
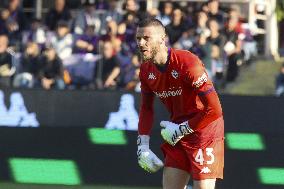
[94, 46]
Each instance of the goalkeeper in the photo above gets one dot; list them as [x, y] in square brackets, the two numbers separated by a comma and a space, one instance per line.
[194, 135]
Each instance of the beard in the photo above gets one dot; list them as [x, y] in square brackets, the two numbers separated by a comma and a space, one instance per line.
[152, 54]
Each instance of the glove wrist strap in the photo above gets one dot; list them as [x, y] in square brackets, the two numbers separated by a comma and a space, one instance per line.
[143, 140]
[185, 128]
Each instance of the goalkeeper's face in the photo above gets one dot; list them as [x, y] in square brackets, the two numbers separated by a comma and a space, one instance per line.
[149, 40]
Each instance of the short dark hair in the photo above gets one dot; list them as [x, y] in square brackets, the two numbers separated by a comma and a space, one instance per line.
[150, 22]
[62, 23]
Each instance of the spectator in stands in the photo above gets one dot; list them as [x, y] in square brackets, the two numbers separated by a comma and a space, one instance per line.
[204, 7]
[216, 38]
[102, 5]
[111, 31]
[202, 48]
[215, 13]
[280, 82]
[235, 14]
[189, 13]
[63, 41]
[131, 6]
[122, 55]
[59, 12]
[244, 34]
[129, 23]
[113, 13]
[176, 27]
[51, 74]
[101, 21]
[153, 12]
[107, 69]
[232, 49]
[112, 34]
[30, 67]
[88, 16]
[130, 75]
[249, 45]
[35, 34]
[186, 40]
[6, 69]
[16, 22]
[217, 68]
[88, 42]
[165, 12]
[4, 15]
[202, 27]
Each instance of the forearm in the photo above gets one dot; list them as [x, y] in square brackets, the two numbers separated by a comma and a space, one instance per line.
[114, 73]
[146, 114]
[238, 46]
[212, 110]
[81, 44]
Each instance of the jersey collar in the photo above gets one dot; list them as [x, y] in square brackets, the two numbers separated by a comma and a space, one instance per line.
[163, 68]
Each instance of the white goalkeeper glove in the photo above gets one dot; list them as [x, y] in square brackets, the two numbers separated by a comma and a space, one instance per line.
[172, 132]
[146, 158]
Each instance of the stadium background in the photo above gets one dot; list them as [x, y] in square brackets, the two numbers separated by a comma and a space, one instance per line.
[85, 138]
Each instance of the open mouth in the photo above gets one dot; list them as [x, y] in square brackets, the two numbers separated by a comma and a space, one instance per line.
[143, 51]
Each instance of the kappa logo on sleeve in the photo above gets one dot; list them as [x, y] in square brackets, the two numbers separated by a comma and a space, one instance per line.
[205, 170]
[151, 76]
[202, 79]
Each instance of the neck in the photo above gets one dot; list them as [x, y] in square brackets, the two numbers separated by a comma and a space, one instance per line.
[176, 22]
[214, 12]
[162, 56]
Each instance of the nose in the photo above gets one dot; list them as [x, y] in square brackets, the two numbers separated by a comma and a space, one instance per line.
[141, 42]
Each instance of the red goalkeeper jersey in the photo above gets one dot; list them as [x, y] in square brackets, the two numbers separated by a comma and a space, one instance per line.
[183, 87]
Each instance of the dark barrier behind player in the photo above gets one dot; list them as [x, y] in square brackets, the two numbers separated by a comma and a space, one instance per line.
[254, 137]
[98, 109]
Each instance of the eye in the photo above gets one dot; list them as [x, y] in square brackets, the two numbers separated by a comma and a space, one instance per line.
[146, 38]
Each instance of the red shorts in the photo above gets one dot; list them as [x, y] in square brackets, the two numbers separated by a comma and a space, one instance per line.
[201, 154]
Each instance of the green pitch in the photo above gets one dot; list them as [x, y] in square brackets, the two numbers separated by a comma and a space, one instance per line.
[28, 186]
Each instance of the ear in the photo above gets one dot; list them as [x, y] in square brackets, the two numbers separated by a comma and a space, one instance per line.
[163, 39]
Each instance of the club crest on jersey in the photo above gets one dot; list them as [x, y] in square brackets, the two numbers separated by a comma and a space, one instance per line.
[151, 76]
[174, 74]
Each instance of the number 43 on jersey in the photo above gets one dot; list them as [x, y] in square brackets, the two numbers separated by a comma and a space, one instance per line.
[200, 156]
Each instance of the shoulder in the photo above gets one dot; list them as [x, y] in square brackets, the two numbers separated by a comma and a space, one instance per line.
[58, 61]
[115, 58]
[183, 53]
[7, 56]
[186, 59]
[145, 66]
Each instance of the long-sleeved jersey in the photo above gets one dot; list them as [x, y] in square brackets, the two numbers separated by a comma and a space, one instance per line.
[183, 86]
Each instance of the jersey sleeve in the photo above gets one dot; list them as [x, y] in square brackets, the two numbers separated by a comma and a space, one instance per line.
[144, 86]
[196, 75]
[197, 78]
[146, 114]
